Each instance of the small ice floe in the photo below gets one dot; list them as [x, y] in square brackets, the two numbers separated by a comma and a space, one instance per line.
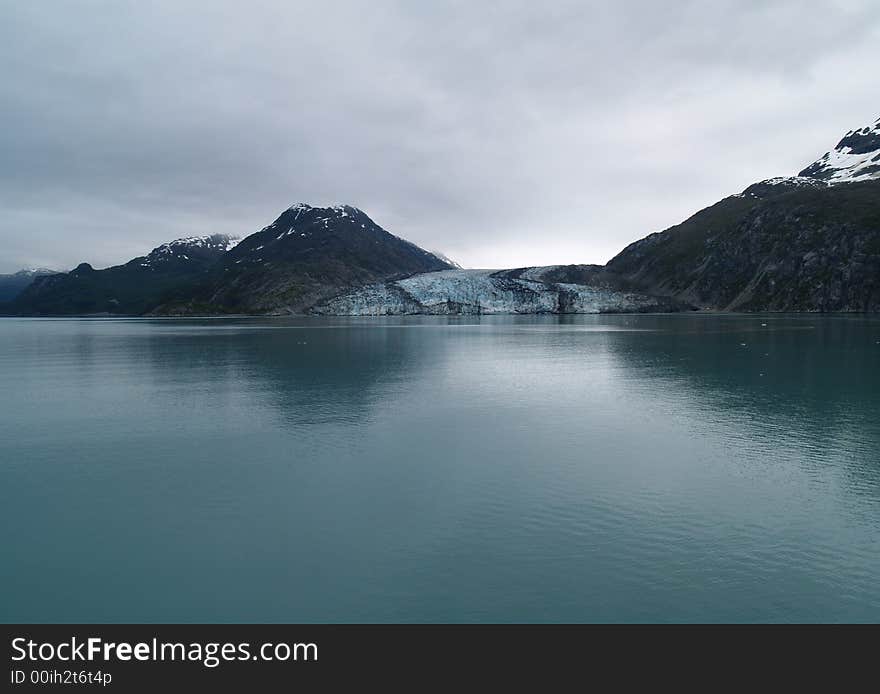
[742, 344]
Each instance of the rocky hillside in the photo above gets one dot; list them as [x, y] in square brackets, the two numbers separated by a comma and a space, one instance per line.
[305, 256]
[804, 243]
[130, 289]
[809, 242]
[856, 158]
[13, 285]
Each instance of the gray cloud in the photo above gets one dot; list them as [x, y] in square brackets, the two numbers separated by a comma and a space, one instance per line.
[502, 133]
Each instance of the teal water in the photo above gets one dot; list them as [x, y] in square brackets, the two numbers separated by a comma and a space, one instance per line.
[584, 468]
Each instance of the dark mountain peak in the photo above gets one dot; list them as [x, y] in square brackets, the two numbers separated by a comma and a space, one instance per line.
[863, 140]
[132, 288]
[303, 220]
[34, 272]
[307, 254]
[302, 215]
[800, 243]
[855, 158]
[12, 285]
[803, 243]
[303, 230]
[783, 184]
[189, 248]
[338, 210]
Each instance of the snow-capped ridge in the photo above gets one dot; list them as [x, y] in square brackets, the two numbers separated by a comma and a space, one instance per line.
[33, 271]
[183, 248]
[211, 241]
[771, 185]
[795, 181]
[855, 158]
[446, 259]
[341, 209]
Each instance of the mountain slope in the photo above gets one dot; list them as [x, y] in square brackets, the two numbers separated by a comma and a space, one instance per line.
[809, 242]
[805, 243]
[13, 285]
[306, 255]
[856, 158]
[129, 289]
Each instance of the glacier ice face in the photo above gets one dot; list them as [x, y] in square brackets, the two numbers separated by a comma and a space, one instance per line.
[478, 292]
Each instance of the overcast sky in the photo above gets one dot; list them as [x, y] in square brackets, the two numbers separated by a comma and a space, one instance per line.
[501, 133]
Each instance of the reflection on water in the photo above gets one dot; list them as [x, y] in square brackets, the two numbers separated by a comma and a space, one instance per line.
[570, 468]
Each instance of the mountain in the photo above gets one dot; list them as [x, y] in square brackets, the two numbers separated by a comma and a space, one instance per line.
[804, 243]
[856, 158]
[13, 285]
[809, 242]
[130, 289]
[306, 255]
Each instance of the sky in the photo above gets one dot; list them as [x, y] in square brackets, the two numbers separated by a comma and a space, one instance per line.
[503, 134]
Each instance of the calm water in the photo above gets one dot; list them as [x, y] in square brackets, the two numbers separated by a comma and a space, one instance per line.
[589, 468]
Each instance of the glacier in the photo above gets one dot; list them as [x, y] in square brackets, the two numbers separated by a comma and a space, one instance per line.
[479, 292]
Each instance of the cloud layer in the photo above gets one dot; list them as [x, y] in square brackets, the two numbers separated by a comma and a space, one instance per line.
[501, 133]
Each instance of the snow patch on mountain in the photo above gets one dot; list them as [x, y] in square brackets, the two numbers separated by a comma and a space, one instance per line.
[446, 259]
[338, 210]
[183, 248]
[34, 271]
[856, 158]
[772, 185]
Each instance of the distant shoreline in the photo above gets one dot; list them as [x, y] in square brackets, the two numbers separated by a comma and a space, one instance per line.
[366, 317]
